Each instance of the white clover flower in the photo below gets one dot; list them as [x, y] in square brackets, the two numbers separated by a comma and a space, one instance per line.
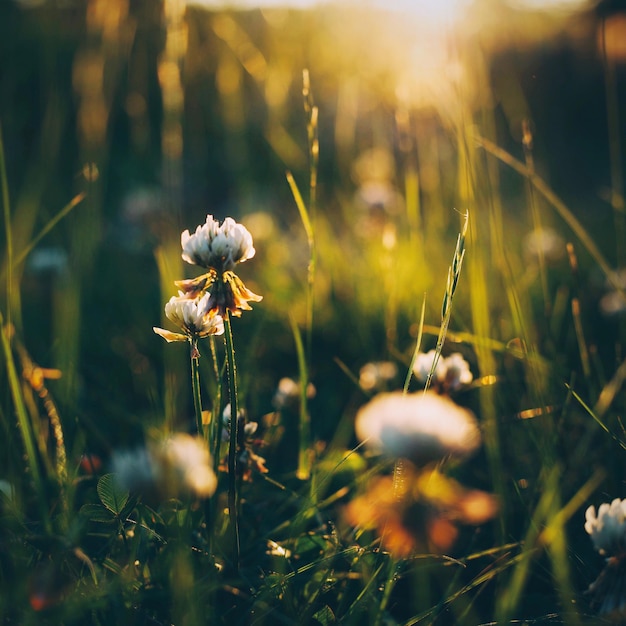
[227, 414]
[377, 375]
[612, 303]
[186, 460]
[422, 427]
[135, 469]
[544, 242]
[424, 363]
[287, 394]
[451, 373]
[217, 247]
[608, 528]
[191, 317]
[458, 373]
[177, 465]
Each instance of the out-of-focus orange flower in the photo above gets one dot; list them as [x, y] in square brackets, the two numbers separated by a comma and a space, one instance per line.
[421, 512]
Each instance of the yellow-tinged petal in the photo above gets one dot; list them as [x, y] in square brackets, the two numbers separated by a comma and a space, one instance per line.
[168, 335]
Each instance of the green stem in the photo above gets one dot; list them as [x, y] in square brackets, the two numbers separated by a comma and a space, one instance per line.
[304, 456]
[216, 417]
[195, 385]
[390, 583]
[232, 448]
[23, 421]
[4, 190]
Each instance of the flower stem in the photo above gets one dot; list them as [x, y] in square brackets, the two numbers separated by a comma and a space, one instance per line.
[195, 386]
[215, 432]
[232, 448]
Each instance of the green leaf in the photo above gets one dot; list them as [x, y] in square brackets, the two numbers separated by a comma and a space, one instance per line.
[96, 513]
[112, 495]
[325, 616]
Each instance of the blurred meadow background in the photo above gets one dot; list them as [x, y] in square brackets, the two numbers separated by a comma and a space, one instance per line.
[353, 141]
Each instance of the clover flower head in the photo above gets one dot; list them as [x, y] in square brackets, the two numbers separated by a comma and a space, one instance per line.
[177, 465]
[377, 375]
[227, 415]
[422, 427]
[451, 373]
[423, 364]
[192, 317]
[458, 373]
[612, 303]
[216, 246]
[134, 469]
[187, 461]
[546, 243]
[287, 394]
[607, 528]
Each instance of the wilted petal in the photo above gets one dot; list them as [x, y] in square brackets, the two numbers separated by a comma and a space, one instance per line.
[194, 287]
[168, 335]
[241, 294]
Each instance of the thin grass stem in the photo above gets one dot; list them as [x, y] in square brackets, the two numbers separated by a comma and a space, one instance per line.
[6, 207]
[195, 386]
[304, 457]
[418, 344]
[233, 441]
[568, 217]
[23, 421]
[216, 422]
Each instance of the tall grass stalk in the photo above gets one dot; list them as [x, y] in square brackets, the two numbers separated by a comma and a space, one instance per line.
[615, 156]
[560, 207]
[418, 344]
[304, 440]
[533, 203]
[169, 265]
[8, 231]
[233, 504]
[23, 421]
[304, 469]
[454, 273]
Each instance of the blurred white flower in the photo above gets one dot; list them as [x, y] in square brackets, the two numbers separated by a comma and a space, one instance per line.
[218, 247]
[227, 413]
[136, 470]
[287, 393]
[458, 373]
[424, 363]
[176, 465]
[545, 242]
[613, 303]
[51, 260]
[187, 462]
[191, 317]
[377, 375]
[378, 195]
[422, 427]
[451, 373]
[275, 549]
[608, 527]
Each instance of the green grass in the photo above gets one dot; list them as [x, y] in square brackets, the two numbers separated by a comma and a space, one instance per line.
[343, 284]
